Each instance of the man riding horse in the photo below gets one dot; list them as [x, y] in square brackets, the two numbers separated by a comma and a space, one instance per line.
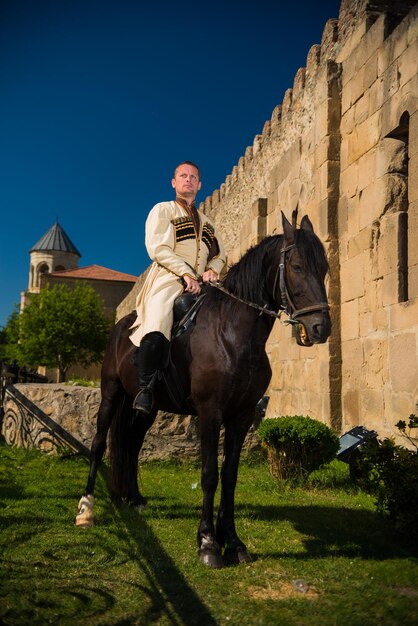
[185, 248]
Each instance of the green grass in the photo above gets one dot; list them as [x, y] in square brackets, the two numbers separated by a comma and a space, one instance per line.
[142, 567]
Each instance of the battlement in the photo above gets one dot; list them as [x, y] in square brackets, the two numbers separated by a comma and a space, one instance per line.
[291, 116]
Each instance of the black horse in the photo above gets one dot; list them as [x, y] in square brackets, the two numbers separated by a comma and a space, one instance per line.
[224, 370]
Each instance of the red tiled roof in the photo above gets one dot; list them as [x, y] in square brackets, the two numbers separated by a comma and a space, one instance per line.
[96, 272]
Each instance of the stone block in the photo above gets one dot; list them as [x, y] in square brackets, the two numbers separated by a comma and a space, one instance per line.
[390, 290]
[351, 408]
[376, 96]
[371, 407]
[352, 42]
[342, 218]
[364, 137]
[413, 233]
[403, 362]
[347, 122]
[352, 278]
[366, 168]
[289, 349]
[361, 109]
[372, 321]
[375, 359]
[370, 203]
[274, 407]
[344, 150]
[373, 39]
[370, 72]
[403, 316]
[349, 320]
[390, 81]
[349, 68]
[388, 245]
[357, 88]
[397, 406]
[346, 97]
[407, 63]
[277, 378]
[359, 243]
[413, 178]
[413, 135]
[349, 180]
[412, 32]
[413, 281]
[353, 216]
[352, 364]
[400, 41]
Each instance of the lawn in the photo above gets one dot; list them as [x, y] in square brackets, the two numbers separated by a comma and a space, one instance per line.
[321, 554]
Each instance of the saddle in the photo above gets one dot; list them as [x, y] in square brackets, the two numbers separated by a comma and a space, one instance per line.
[185, 309]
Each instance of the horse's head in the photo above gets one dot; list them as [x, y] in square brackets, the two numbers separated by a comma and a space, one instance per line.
[299, 283]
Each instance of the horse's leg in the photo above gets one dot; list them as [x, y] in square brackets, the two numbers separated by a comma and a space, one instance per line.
[141, 424]
[226, 535]
[108, 406]
[208, 548]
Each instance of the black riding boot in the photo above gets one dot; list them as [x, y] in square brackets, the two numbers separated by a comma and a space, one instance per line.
[150, 357]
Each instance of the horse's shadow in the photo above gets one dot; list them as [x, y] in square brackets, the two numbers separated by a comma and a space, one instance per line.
[170, 594]
[336, 531]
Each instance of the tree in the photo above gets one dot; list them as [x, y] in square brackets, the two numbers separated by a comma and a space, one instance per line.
[9, 337]
[61, 327]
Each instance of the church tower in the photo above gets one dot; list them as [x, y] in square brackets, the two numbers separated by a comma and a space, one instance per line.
[53, 252]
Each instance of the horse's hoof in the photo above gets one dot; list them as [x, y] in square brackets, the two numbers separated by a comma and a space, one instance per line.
[211, 558]
[85, 515]
[235, 556]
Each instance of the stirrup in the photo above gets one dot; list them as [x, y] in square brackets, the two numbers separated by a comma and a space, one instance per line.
[144, 401]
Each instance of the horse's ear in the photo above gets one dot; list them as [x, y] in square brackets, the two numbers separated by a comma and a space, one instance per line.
[306, 223]
[288, 230]
[295, 216]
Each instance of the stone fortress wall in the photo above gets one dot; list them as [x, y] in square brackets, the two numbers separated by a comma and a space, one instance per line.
[343, 146]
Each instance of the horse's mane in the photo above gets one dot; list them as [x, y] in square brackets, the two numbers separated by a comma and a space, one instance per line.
[247, 278]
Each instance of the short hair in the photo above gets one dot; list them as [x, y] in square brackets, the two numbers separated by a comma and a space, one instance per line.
[187, 163]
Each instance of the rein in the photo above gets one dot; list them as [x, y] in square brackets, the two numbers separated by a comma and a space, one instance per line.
[287, 306]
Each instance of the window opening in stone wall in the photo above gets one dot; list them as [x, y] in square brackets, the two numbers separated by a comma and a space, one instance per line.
[43, 269]
[401, 168]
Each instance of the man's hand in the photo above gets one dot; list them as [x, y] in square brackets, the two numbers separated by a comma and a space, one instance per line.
[192, 286]
[210, 276]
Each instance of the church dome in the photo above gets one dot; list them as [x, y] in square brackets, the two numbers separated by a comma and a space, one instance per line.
[56, 239]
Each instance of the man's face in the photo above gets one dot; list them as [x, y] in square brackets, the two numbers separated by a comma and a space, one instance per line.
[186, 182]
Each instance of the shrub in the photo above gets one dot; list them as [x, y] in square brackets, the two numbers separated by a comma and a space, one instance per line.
[390, 473]
[297, 445]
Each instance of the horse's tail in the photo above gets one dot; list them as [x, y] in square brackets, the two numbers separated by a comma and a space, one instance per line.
[123, 452]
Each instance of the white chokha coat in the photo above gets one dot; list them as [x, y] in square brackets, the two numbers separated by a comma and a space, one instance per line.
[175, 249]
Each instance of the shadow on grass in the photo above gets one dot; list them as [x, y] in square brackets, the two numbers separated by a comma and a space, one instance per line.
[167, 587]
[337, 531]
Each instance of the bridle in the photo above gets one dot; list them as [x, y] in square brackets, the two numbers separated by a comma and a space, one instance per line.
[287, 305]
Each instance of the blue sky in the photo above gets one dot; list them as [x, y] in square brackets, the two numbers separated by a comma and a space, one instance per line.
[100, 99]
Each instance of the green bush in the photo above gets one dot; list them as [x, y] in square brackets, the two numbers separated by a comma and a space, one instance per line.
[297, 445]
[390, 473]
